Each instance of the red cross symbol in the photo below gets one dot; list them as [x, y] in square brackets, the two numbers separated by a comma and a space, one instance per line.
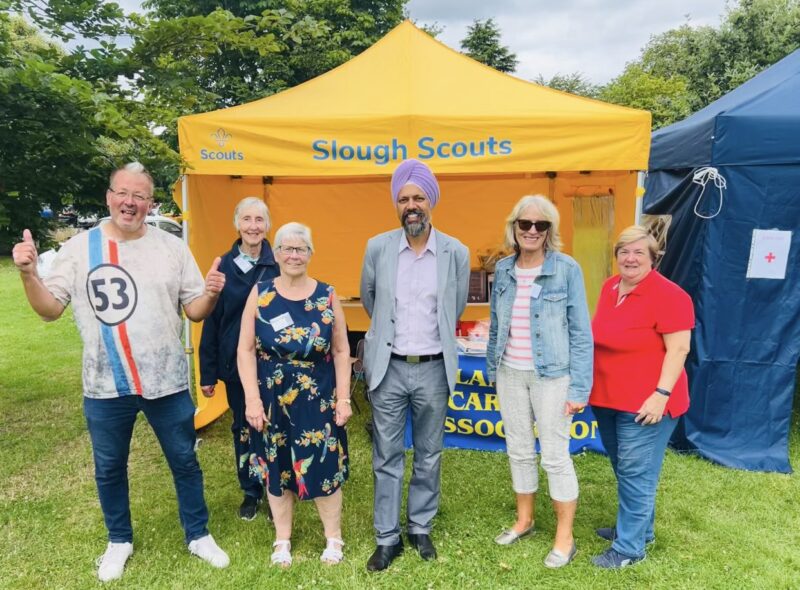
[770, 257]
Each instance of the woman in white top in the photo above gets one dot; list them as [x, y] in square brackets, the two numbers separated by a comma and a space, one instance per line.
[540, 356]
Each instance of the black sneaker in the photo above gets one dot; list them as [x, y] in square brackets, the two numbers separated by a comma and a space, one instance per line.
[249, 507]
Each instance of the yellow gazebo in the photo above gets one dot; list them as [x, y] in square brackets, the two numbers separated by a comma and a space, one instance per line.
[322, 154]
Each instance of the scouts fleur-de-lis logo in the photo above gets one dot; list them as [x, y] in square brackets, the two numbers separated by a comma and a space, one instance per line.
[221, 137]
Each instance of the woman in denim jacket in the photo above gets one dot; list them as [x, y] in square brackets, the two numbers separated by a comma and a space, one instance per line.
[540, 356]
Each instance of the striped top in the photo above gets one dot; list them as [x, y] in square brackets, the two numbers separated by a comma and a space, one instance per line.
[518, 353]
[126, 299]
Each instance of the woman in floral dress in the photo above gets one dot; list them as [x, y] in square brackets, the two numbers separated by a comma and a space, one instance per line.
[294, 363]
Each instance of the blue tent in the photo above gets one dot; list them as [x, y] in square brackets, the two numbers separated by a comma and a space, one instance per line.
[745, 348]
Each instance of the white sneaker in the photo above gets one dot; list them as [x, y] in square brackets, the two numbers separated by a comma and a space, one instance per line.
[207, 549]
[112, 563]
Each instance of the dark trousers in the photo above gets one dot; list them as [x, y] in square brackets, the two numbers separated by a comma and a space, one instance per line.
[241, 440]
[110, 423]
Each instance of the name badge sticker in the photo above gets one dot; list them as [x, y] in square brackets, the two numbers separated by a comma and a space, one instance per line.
[535, 290]
[282, 321]
[243, 263]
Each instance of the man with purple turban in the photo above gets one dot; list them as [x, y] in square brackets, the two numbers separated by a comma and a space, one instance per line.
[414, 287]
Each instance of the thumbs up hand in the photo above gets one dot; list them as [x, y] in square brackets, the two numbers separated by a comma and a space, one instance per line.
[25, 255]
[215, 280]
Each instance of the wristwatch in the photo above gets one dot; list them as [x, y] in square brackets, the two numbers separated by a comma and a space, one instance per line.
[662, 391]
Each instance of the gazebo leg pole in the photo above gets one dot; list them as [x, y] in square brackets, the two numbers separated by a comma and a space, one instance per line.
[187, 325]
[639, 196]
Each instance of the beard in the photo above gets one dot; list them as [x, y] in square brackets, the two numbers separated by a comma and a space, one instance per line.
[415, 228]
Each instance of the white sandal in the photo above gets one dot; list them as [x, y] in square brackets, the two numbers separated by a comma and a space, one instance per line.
[333, 551]
[281, 555]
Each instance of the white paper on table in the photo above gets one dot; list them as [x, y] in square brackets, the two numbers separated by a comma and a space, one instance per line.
[471, 347]
[44, 263]
[769, 254]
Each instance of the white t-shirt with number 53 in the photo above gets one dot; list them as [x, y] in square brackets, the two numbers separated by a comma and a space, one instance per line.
[127, 298]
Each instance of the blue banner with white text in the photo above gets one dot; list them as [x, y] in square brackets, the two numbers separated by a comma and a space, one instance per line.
[473, 415]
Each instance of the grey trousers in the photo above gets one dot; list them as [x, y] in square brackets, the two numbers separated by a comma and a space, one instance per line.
[422, 388]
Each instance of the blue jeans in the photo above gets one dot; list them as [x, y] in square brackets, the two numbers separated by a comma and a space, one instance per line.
[110, 423]
[241, 440]
[636, 453]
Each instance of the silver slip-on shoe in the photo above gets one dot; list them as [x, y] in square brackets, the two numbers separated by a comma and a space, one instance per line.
[509, 536]
[557, 559]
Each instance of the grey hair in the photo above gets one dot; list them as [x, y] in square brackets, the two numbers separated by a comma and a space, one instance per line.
[250, 202]
[549, 213]
[293, 230]
[134, 168]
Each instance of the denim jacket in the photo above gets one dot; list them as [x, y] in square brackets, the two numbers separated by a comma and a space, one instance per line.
[561, 333]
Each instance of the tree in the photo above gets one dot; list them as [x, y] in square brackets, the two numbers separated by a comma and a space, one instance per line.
[753, 35]
[66, 19]
[666, 98]
[66, 118]
[59, 135]
[377, 17]
[483, 44]
[309, 37]
[433, 29]
[194, 56]
[574, 83]
[684, 69]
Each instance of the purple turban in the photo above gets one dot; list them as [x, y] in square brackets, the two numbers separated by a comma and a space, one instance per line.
[415, 172]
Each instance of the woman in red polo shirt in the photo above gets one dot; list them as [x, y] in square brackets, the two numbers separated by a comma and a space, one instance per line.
[642, 328]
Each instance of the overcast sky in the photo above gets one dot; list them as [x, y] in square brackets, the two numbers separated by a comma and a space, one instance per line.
[594, 37]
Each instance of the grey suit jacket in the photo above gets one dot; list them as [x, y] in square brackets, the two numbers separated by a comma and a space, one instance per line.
[378, 283]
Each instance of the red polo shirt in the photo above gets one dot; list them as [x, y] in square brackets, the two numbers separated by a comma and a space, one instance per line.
[629, 347]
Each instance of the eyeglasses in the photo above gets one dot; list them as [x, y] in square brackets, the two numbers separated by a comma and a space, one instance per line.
[123, 195]
[299, 250]
[527, 224]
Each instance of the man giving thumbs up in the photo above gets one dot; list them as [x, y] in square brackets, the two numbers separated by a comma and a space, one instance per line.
[127, 283]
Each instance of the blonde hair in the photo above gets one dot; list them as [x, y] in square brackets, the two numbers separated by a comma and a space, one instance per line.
[249, 202]
[548, 212]
[634, 233]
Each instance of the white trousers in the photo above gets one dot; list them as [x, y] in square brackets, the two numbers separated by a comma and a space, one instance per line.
[524, 398]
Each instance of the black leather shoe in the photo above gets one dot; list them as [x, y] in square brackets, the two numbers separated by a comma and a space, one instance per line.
[383, 556]
[424, 545]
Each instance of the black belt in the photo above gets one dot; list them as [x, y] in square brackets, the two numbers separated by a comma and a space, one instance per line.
[418, 358]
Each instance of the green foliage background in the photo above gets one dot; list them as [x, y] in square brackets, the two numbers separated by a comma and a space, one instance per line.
[67, 117]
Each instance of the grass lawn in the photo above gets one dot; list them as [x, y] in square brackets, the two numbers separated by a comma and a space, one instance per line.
[716, 527]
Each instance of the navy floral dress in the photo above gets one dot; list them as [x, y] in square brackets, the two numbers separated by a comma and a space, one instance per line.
[301, 448]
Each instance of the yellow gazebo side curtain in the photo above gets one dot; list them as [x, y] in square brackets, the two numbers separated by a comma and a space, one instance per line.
[322, 153]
